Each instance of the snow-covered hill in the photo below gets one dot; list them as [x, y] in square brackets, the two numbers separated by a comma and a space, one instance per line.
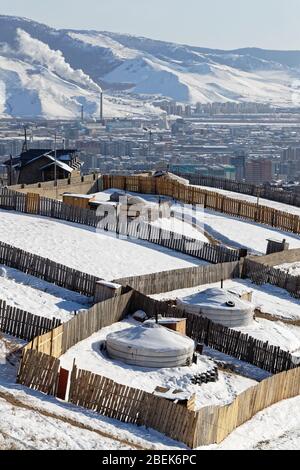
[52, 73]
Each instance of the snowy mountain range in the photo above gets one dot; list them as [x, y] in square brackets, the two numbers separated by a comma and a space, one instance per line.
[45, 72]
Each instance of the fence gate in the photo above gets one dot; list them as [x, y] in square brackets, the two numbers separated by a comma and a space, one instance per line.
[32, 203]
[62, 383]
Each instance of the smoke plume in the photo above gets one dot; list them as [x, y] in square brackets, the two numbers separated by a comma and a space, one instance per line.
[39, 52]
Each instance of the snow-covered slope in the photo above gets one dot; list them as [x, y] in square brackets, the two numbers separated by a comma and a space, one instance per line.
[37, 81]
[204, 83]
[87, 250]
[184, 74]
[34, 90]
[51, 73]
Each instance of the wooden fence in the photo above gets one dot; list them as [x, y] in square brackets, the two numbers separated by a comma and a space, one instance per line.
[173, 241]
[99, 316]
[260, 273]
[22, 324]
[202, 330]
[48, 270]
[38, 371]
[34, 204]
[242, 346]
[208, 199]
[272, 194]
[226, 340]
[49, 343]
[76, 183]
[81, 326]
[215, 423]
[207, 426]
[166, 281]
[281, 257]
[131, 405]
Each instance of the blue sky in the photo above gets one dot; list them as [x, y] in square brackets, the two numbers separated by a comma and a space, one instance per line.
[223, 24]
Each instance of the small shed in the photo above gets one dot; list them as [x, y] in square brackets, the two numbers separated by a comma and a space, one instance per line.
[175, 324]
[77, 200]
[105, 290]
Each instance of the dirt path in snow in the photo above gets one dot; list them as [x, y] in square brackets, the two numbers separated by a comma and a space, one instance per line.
[12, 443]
[18, 403]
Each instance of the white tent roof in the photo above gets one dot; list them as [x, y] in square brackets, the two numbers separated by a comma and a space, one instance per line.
[152, 339]
[215, 298]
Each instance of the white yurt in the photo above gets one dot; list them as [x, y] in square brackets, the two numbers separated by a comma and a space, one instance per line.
[220, 306]
[150, 345]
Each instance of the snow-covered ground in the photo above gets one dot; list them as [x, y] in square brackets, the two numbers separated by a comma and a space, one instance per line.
[47, 433]
[267, 298]
[178, 226]
[39, 297]
[275, 428]
[175, 222]
[88, 356]
[244, 234]
[236, 365]
[262, 202]
[37, 81]
[276, 333]
[82, 248]
[8, 345]
[290, 268]
[231, 231]
[32, 420]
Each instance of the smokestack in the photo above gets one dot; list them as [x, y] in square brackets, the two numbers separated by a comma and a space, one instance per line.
[101, 106]
[25, 144]
[82, 111]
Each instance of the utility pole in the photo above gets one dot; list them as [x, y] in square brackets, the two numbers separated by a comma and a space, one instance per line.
[150, 144]
[10, 169]
[101, 107]
[10, 164]
[25, 146]
[55, 163]
[258, 196]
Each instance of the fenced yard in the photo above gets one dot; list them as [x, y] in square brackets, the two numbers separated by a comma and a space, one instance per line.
[50, 271]
[148, 284]
[40, 365]
[258, 269]
[208, 199]
[40, 370]
[226, 340]
[34, 204]
[265, 192]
